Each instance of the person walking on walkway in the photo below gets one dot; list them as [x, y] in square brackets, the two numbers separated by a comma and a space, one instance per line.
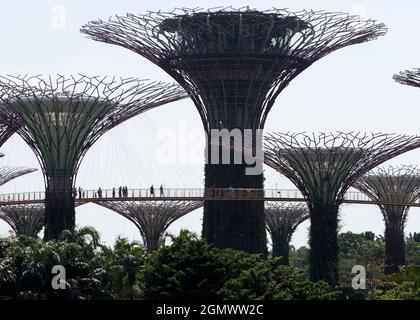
[120, 192]
[99, 192]
[152, 191]
[161, 190]
[113, 192]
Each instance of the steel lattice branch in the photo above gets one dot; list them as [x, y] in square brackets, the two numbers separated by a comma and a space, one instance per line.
[9, 173]
[393, 184]
[248, 55]
[323, 166]
[409, 78]
[25, 220]
[64, 116]
[152, 218]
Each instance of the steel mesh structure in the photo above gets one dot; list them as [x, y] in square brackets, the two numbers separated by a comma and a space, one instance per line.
[10, 173]
[392, 185]
[25, 220]
[234, 63]
[409, 78]
[323, 167]
[5, 133]
[152, 218]
[282, 220]
[63, 116]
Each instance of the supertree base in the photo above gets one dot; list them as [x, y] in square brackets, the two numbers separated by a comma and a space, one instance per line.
[59, 207]
[237, 225]
[323, 242]
[394, 250]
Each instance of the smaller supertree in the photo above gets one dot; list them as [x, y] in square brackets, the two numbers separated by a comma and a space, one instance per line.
[25, 219]
[409, 78]
[395, 188]
[9, 173]
[282, 219]
[323, 167]
[152, 218]
[61, 117]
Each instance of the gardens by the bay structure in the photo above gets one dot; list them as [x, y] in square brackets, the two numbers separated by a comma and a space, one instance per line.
[233, 63]
[24, 219]
[389, 186]
[152, 219]
[60, 118]
[282, 221]
[323, 167]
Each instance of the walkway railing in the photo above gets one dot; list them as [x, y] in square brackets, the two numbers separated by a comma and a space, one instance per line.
[199, 194]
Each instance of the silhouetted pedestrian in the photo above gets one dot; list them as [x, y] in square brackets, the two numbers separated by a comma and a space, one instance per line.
[152, 191]
[120, 192]
[80, 193]
[113, 192]
[161, 190]
[99, 192]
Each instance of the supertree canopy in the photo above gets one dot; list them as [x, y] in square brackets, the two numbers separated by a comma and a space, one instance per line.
[323, 167]
[282, 220]
[395, 187]
[233, 63]
[152, 218]
[9, 173]
[25, 219]
[409, 78]
[64, 116]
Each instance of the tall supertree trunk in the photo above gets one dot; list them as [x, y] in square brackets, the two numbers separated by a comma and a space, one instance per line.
[323, 258]
[59, 207]
[394, 248]
[280, 247]
[234, 224]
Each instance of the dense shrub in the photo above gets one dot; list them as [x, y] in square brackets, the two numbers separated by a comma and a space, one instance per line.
[189, 269]
[192, 269]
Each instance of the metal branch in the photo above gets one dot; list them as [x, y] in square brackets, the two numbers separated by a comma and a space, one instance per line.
[323, 166]
[10, 173]
[5, 133]
[284, 218]
[152, 218]
[393, 184]
[409, 78]
[234, 62]
[63, 116]
[27, 220]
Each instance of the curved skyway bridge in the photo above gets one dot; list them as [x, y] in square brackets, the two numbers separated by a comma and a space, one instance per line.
[199, 194]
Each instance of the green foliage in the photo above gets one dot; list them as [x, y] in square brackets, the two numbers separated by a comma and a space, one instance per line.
[122, 265]
[390, 290]
[412, 249]
[360, 249]
[26, 264]
[192, 269]
[189, 269]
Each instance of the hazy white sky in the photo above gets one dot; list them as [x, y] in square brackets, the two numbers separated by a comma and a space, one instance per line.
[352, 89]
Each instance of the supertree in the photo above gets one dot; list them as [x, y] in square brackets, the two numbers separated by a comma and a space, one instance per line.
[10, 173]
[25, 219]
[234, 63]
[152, 218]
[63, 116]
[323, 167]
[395, 188]
[409, 78]
[282, 220]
